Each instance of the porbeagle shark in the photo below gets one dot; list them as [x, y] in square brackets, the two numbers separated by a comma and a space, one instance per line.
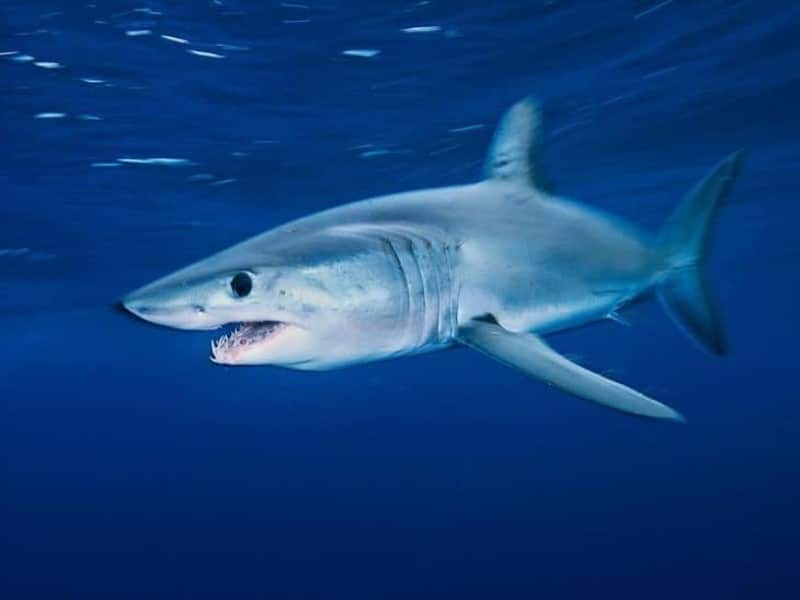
[493, 265]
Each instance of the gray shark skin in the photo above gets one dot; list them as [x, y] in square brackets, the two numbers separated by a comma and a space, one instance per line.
[493, 265]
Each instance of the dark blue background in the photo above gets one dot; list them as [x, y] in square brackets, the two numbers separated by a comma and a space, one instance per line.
[133, 467]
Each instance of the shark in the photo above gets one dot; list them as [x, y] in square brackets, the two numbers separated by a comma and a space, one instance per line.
[496, 265]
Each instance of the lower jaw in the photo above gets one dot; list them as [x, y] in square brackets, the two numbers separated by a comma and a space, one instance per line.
[233, 348]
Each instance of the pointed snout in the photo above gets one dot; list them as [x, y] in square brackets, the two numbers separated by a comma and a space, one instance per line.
[119, 306]
[143, 307]
[154, 309]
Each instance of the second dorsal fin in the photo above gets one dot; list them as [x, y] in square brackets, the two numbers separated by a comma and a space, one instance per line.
[514, 155]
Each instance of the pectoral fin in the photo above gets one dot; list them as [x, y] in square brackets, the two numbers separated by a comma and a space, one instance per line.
[531, 355]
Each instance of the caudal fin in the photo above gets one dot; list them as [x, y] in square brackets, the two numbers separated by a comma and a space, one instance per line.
[684, 291]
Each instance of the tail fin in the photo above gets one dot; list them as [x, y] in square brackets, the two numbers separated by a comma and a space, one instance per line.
[684, 240]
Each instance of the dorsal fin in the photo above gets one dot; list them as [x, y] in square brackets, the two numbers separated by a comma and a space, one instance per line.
[515, 151]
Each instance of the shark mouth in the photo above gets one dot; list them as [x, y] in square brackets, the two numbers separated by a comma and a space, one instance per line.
[230, 348]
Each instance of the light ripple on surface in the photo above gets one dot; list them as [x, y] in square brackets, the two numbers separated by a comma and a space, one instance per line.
[233, 47]
[200, 177]
[374, 153]
[467, 128]
[172, 38]
[162, 161]
[652, 9]
[362, 52]
[148, 11]
[422, 29]
[205, 54]
[444, 150]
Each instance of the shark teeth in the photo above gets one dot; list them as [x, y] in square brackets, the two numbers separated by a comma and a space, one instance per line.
[228, 348]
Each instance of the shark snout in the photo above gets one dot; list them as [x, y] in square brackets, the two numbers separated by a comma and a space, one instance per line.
[143, 309]
[179, 316]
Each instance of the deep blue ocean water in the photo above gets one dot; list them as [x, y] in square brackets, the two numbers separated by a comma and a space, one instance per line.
[132, 467]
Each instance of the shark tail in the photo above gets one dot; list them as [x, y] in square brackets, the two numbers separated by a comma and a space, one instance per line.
[684, 291]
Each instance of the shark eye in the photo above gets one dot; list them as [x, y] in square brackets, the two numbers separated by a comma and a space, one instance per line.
[241, 284]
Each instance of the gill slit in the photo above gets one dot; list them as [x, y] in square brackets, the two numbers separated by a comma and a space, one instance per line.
[417, 260]
[406, 283]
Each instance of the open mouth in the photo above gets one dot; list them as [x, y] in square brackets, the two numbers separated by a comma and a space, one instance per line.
[229, 348]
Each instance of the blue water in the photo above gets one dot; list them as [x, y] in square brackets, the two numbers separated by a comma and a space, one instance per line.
[132, 467]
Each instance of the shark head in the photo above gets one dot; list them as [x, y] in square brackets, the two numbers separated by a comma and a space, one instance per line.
[312, 304]
[271, 324]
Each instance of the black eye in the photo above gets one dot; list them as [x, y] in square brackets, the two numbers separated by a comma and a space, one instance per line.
[241, 284]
